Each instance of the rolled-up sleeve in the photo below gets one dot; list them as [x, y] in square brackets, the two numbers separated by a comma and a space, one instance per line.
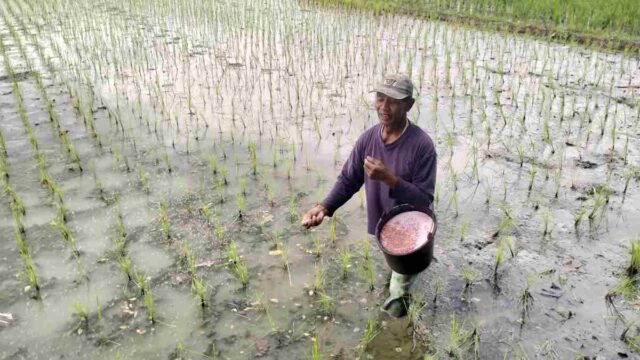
[420, 190]
[349, 181]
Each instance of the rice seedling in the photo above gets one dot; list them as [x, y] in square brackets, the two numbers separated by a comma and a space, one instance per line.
[579, 217]
[546, 223]
[367, 271]
[293, 208]
[417, 305]
[633, 268]
[470, 277]
[240, 201]
[370, 332]
[164, 219]
[149, 303]
[499, 259]
[124, 262]
[437, 289]
[332, 230]
[143, 179]
[526, 301]
[68, 238]
[315, 349]
[464, 228]
[242, 272]
[509, 242]
[82, 313]
[200, 289]
[270, 196]
[318, 246]
[326, 303]
[532, 177]
[345, 262]
[224, 175]
[319, 278]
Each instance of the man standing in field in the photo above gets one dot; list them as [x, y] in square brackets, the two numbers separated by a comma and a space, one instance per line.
[396, 161]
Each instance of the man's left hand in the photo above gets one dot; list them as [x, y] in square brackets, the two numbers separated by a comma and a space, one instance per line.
[376, 170]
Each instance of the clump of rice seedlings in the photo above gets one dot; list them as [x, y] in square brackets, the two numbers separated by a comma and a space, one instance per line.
[142, 178]
[293, 208]
[164, 219]
[200, 289]
[627, 288]
[470, 276]
[99, 311]
[521, 153]
[499, 259]
[29, 268]
[206, 211]
[579, 217]
[319, 278]
[254, 158]
[99, 188]
[219, 191]
[370, 332]
[437, 289]
[318, 246]
[598, 203]
[366, 268]
[243, 186]
[507, 222]
[284, 256]
[145, 288]
[546, 222]
[526, 300]
[124, 263]
[240, 201]
[167, 161]
[315, 349]
[81, 311]
[460, 340]
[634, 264]
[417, 304]
[68, 238]
[628, 175]
[242, 272]
[557, 177]
[326, 303]
[332, 230]
[265, 307]
[224, 175]
[509, 242]
[270, 196]
[532, 177]
[238, 265]
[189, 259]
[345, 262]
[464, 227]
[213, 164]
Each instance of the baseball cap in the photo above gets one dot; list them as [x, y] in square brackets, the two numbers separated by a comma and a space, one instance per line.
[397, 86]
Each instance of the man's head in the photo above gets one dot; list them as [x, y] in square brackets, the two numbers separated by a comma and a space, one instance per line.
[394, 98]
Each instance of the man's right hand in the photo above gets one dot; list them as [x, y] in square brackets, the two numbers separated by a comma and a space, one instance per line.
[314, 216]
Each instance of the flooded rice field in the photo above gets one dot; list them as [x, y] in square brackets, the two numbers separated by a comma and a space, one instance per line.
[156, 158]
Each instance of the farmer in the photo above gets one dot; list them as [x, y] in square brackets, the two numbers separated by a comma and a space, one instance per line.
[396, 161]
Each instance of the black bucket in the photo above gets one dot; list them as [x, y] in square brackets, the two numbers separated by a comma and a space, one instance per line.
[413, 262]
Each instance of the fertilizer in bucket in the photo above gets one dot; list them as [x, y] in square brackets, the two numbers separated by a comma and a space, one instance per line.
[406, 232]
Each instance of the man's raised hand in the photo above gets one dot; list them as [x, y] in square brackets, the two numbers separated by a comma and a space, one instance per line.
[376, 170]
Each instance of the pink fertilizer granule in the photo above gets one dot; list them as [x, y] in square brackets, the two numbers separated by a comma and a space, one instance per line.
[406, 232]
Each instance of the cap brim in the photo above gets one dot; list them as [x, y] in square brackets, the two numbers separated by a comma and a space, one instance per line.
[390, 92]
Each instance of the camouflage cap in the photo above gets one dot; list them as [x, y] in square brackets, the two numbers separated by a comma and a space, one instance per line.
[397, 86]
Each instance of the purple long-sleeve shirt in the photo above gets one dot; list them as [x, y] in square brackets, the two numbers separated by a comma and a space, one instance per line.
[411, 158]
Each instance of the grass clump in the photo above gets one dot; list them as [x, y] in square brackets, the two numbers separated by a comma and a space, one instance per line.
[633, 268]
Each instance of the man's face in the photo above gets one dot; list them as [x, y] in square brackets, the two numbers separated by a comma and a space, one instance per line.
[390, 111]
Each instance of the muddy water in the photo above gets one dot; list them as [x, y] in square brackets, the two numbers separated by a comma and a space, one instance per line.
[171, 86]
